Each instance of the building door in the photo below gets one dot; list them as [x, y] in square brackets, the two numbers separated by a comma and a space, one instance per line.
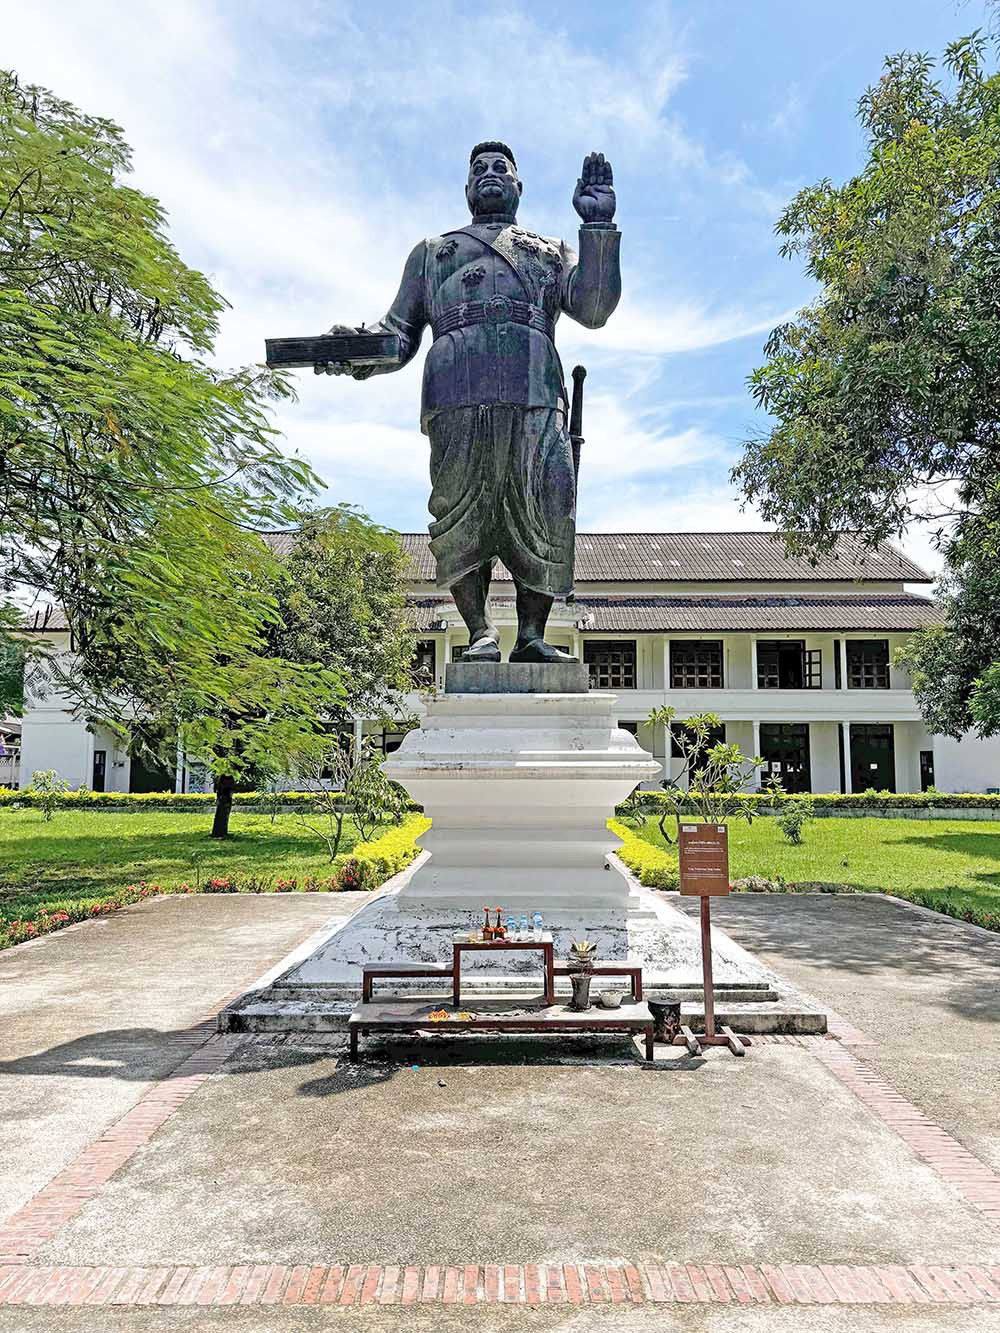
[926, 769]
[784, 747]
[100, 770]
[873, 757]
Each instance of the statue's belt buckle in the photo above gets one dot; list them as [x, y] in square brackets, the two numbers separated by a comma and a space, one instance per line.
[499, 308]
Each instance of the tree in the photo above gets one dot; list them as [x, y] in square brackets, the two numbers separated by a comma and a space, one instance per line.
[886, 390]
[345, 782]
[337, 646]
[341, 602]
[132, 472]
[713, 773]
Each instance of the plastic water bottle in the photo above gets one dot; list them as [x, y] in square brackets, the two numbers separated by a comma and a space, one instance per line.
[525, 933]
[538, 924]
[511, 924]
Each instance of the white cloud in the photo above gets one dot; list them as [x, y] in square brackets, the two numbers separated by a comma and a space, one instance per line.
[641, 508]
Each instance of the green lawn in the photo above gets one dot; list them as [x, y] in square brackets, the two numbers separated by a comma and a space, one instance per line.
[84, 854]
[915, 858]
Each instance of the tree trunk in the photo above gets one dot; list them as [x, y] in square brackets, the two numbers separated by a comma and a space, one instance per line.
[224, 788]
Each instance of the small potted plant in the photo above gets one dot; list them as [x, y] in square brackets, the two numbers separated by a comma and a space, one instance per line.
[581, 963]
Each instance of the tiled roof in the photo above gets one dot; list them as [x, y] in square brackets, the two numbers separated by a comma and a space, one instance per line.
[899, 612]
[45, 620]
[729, 557]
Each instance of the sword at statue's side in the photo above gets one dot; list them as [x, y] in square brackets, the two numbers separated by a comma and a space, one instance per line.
[576, 417]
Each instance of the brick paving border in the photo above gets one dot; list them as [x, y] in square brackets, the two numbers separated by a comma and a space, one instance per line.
[619, 1283]
[976, 1182]
[25, 1231]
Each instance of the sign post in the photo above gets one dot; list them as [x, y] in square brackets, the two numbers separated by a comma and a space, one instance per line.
[704, 873]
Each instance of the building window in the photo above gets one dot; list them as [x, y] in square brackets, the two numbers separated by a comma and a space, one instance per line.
[611, 663]
[457, 649]
[695, 664]
[867, 664]
[786, 664]
[784, 748]
[926, 769]
[716, 736]
[425, 661]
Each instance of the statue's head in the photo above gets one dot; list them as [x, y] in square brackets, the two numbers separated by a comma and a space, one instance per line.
[493, 186]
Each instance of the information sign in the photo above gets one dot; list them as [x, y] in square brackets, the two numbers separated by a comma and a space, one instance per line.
[704, 860]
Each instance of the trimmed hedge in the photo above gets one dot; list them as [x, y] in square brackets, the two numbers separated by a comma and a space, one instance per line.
[652, 866]
[873, 802]
[157, 800]
[652, 801]
[367, 866]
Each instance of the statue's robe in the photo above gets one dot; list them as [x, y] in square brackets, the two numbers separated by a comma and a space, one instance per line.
[494, 398]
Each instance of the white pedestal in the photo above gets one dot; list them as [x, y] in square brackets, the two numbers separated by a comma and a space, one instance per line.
[520, 787]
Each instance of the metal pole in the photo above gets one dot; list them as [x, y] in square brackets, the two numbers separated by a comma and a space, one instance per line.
[706, 964]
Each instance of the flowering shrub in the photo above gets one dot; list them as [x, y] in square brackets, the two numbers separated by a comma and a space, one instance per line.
[221, 885]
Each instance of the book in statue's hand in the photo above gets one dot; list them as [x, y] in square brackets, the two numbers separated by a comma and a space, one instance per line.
[355, 349]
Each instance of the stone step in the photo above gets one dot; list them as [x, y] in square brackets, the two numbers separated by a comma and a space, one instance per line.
[731, 994]
[310, 1016]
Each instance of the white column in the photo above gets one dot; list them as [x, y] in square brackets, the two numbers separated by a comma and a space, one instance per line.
[753, 664]
[447, 652]
[179, 768]
[843, 664]
[666, 665]
[759, 782]
[848, 788]
[577, 644]
[359, 729]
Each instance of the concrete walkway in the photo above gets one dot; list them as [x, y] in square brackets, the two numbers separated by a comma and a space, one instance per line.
[280, 1161]
[923, 987]
[90, 1014]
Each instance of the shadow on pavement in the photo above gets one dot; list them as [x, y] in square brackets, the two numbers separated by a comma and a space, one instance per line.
[148, 1054]
[869, 936]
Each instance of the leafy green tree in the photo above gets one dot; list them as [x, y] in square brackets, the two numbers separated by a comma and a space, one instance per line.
[885, 391]
[132, 472]
[340, 602]
[337, 645]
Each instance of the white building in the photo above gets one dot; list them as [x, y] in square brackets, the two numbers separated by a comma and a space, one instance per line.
[796, 659]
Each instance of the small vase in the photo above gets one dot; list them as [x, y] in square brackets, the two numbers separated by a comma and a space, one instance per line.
[580, 981]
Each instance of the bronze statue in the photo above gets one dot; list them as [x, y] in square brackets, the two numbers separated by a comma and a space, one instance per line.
[494, 398]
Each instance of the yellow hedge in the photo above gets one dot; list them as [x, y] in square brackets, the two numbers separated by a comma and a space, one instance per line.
[652, 866]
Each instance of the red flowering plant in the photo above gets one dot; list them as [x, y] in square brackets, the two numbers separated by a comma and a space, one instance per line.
[220, 884]
[353, 874]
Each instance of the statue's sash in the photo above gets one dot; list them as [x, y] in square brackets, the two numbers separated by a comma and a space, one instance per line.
[535, 261]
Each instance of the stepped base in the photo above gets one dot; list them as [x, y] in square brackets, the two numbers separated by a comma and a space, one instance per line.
[318, 993]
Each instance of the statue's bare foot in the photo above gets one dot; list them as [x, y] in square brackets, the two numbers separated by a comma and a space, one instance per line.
[540, 651]
[485, 649]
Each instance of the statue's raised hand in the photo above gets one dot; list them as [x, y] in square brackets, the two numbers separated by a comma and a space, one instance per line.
[343, 367]
[594, 196]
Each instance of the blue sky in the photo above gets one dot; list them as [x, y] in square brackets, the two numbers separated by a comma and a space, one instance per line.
[302, 149]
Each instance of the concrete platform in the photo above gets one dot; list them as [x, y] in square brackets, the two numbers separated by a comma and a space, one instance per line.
[317, 993]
